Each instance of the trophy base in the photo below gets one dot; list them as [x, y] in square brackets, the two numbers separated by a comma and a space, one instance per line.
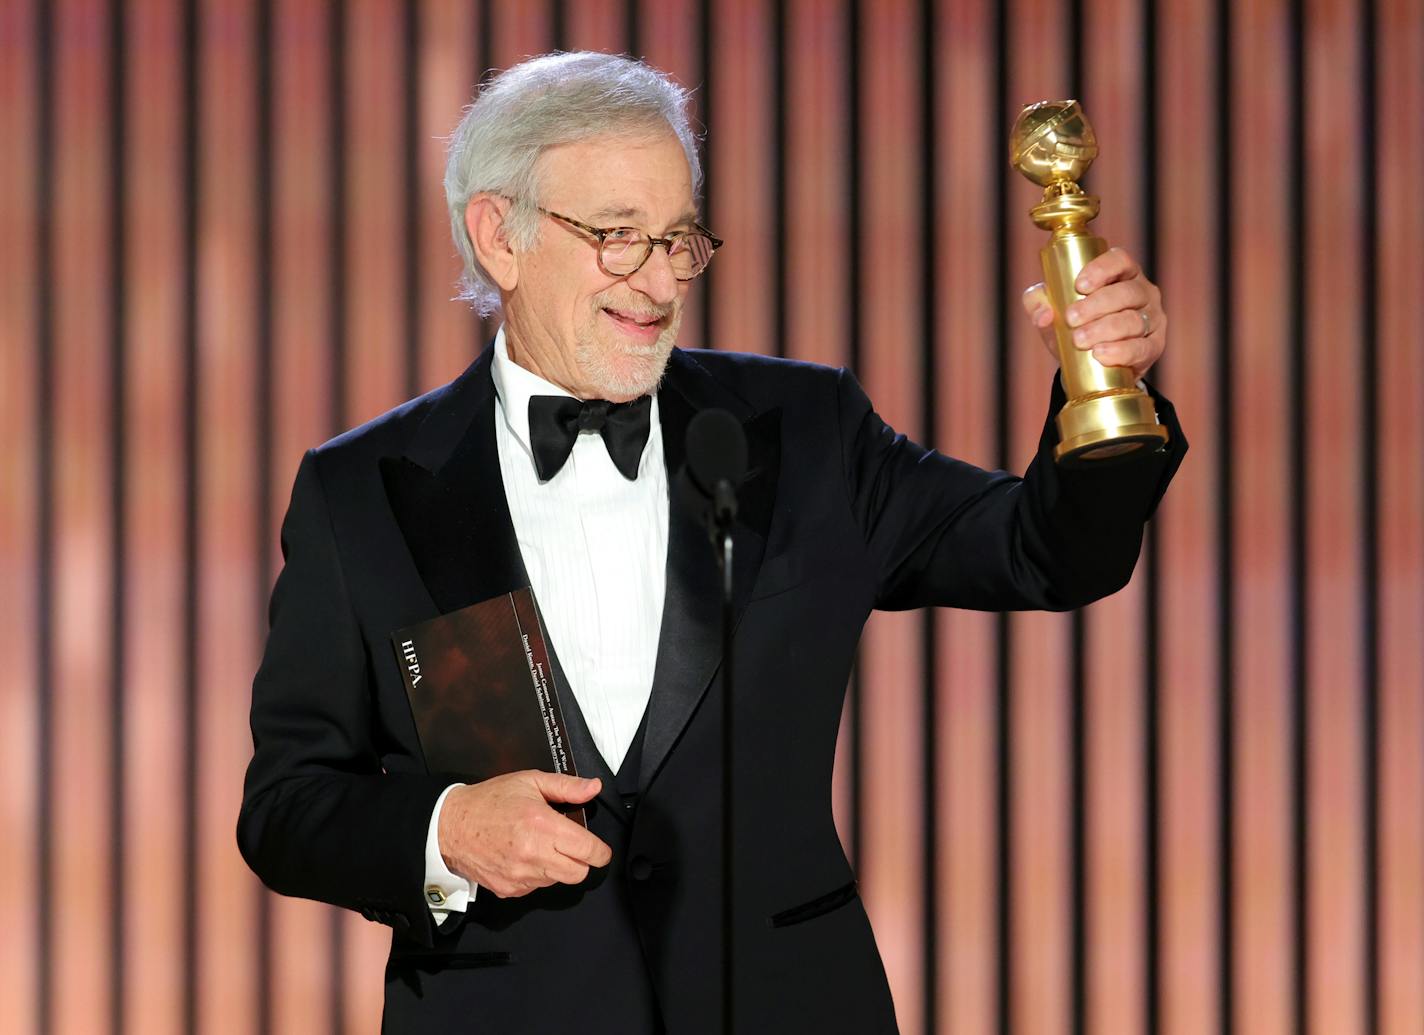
[1107, 425]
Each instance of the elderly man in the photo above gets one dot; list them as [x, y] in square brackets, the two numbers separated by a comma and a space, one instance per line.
[572, 183]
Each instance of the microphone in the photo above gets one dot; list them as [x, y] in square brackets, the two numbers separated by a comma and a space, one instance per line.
[716, 463]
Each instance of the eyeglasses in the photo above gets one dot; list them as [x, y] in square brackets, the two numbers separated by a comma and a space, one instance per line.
[622, 250]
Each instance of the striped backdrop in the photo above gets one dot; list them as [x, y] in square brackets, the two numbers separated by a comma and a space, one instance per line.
[1197, 807]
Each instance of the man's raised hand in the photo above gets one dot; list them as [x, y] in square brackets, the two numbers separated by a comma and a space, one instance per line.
[1121, 319]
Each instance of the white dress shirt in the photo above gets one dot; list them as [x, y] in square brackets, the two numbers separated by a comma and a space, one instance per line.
[595, 547]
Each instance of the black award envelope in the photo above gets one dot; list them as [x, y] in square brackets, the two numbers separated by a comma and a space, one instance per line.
[483, 692]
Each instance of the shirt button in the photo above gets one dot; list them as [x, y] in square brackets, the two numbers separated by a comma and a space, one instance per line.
[434, 896]
[640, 869]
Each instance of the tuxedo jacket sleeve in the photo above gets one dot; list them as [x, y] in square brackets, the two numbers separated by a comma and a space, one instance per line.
[321, 817]
[939, 531]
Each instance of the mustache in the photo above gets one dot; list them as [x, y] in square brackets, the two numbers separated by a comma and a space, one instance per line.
[639, 310]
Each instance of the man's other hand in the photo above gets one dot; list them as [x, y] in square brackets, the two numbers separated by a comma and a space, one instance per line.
[502, 835]
[1120, 318]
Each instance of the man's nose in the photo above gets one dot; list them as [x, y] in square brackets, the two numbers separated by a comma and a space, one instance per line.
[655, 277]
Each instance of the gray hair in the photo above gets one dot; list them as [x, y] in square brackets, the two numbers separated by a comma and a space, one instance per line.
[542, 102]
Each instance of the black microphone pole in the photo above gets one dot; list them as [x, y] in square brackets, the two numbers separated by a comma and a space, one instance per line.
[723, 535]
[716, 464]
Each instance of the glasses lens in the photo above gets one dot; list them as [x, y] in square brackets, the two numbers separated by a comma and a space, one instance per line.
[690, 254]
[624, 250]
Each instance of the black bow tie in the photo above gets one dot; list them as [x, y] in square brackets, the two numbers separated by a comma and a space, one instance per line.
[555, 422]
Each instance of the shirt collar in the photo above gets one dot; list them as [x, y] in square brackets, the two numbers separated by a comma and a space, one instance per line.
[514, 385]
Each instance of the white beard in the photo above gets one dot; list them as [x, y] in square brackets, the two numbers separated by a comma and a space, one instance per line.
[618, 370]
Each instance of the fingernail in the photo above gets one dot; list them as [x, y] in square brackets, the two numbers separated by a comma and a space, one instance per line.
[1075, 316]
[1083, 285]
[1079, 337]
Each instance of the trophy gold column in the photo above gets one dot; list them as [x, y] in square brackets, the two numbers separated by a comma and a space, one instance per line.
[1106, 415]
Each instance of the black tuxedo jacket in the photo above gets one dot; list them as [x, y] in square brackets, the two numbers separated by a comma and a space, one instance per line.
[406, 517]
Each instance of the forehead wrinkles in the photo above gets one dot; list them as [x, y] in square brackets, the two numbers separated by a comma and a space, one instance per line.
[618, 210]
[631, 177]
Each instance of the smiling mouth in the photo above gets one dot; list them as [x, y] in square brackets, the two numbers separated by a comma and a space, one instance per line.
[639, 320]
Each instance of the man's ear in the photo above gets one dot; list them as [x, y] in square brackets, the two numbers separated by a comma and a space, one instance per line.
[484, 219]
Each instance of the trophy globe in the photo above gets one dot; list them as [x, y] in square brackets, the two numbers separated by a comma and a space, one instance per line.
[1053, 145]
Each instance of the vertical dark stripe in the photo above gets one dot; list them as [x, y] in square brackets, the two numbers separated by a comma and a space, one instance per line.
[44, 514]
[337, 159]
[707, 26]
[928, 159]
[1225, 530]
[410, 172]
[1003, 812]
[1077, 824]
[1003, 627]
[263, 175]
[1077, 694]
[484, 45]
[1152, 732]
[118, 478]
[191, 58]
[1370, 510]
[855, 219]
[1297, 373]
[781, 266]
[1003, 365]
[633, 28]
[485, 327]
[339, 266]
[558, 25]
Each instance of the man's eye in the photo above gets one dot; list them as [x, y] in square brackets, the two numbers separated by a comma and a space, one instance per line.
[623, 237]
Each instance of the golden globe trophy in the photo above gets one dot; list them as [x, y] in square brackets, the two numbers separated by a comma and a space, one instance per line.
[1106, 415]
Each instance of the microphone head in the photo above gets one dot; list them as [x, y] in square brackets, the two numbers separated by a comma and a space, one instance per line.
[716, 451]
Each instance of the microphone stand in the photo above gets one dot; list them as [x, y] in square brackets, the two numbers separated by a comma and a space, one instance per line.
[716, 465]
[724, 511]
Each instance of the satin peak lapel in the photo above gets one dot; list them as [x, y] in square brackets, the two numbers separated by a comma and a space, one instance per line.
[447, 496]
[690, 641]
